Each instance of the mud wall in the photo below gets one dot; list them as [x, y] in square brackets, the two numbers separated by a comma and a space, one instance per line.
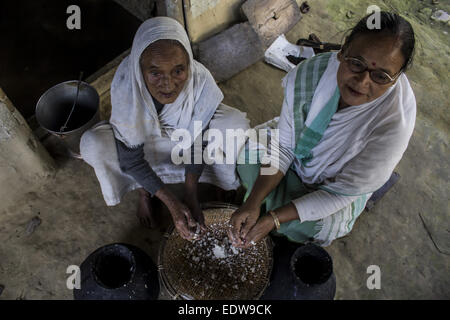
[24, 162]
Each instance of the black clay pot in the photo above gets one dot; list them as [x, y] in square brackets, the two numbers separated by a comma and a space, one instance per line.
[118, 271]
[300, 272]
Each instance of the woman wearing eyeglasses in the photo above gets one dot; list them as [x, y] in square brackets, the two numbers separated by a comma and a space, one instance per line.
[345, 123]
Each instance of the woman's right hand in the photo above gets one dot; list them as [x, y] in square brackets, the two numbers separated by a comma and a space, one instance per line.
[183, 221]
[247, 215]
[181, 215]
[242, 220]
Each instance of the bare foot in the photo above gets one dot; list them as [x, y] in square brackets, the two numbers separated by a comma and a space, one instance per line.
[145, 212]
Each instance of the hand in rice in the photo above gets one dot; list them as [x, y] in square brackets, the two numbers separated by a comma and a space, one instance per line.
[211, 267]
[242, 221]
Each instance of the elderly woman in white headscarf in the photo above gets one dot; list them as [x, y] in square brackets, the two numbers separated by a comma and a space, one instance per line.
[157, 89]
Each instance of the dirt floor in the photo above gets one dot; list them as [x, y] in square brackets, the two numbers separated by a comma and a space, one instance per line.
[406, 234]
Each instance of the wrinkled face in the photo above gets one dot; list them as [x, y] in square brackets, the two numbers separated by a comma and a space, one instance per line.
[378, 52]
[165, 68]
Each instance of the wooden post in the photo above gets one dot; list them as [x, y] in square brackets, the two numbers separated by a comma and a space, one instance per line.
[171, 8]
[271, 18]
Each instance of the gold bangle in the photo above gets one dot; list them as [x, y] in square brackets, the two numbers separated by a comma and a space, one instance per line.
[275, 219]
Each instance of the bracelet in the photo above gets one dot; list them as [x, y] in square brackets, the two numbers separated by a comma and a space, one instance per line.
[275, 219]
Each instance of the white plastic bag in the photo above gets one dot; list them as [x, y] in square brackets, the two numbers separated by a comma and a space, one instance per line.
[281, 48]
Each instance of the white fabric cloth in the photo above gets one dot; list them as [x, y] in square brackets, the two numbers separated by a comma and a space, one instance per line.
[359, 149]
[321, 204]
[98, 149]
[133, 116]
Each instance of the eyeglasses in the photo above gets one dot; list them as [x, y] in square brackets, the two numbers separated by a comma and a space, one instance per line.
[357, 66]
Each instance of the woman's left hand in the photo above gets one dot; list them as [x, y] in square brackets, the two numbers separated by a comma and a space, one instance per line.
[261, 229]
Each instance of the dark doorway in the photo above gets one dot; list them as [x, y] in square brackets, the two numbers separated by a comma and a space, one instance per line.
[38, 50]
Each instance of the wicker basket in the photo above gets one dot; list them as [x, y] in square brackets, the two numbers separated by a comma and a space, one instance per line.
[243, 276]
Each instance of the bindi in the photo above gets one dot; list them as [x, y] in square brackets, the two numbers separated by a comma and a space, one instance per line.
[374, 64]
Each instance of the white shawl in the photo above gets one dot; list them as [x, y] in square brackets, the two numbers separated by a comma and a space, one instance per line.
[133, 116]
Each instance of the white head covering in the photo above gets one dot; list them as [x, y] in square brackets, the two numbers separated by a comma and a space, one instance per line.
[133, 116]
